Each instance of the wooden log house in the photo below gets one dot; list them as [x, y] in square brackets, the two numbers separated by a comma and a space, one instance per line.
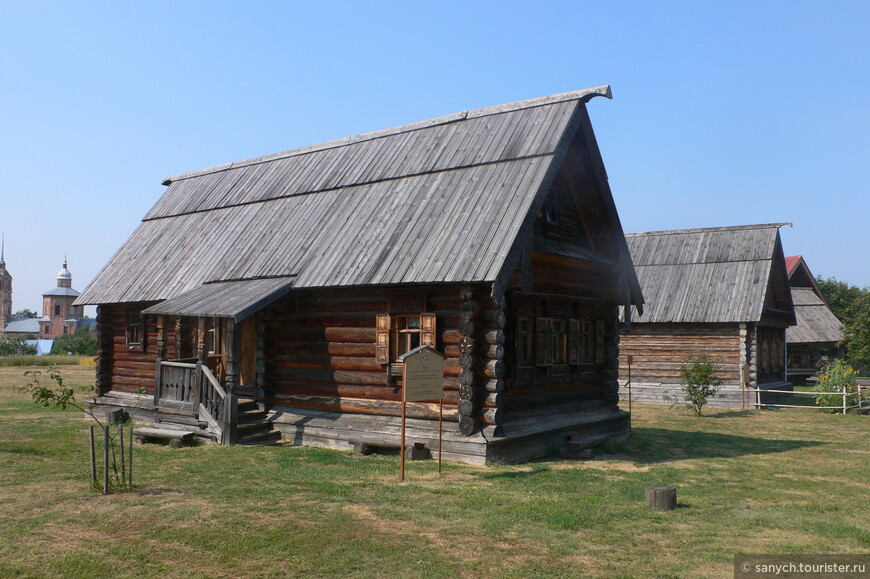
[720, 290]
[274, 296]
[817, 331]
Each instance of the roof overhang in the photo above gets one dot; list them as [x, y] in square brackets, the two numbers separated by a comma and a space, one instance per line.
[225, 299]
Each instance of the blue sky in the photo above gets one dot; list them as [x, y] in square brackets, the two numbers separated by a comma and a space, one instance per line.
[724, 113]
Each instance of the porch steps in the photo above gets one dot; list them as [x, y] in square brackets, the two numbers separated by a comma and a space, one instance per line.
[254, 424]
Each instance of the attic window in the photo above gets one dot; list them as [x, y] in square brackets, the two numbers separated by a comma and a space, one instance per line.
[135, 333]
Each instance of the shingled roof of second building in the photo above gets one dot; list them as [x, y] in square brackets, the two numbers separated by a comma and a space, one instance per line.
[718, 274]
[437, 201]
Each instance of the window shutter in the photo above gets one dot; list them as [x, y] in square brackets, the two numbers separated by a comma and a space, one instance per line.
[599, 341]
[574, 342]
[544, 342]
[382, 341]
[427, 330]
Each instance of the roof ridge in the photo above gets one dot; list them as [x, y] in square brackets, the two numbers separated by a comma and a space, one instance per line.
[711, 229]
[583, 95]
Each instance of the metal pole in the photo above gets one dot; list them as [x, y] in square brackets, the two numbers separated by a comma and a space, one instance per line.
[440, 429]
[402, 443]
[93, 458]
[629, 389]
[123, 466]
[106, 460]
[130, 471]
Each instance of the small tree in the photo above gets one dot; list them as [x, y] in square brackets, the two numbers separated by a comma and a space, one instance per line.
[81, 343]
[25, 313]
[837, 376]
[60, 395]
[700, 379]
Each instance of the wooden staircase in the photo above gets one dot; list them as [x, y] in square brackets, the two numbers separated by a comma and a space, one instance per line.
[187, 397]
[254, 424]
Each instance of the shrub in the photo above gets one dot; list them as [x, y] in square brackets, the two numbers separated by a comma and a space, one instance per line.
[81, 343]
[837, 377]
[700, 381]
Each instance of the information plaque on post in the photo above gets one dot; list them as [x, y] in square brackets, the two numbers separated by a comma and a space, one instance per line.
[422, 381]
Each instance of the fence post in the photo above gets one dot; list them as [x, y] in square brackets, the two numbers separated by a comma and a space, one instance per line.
[844, 399]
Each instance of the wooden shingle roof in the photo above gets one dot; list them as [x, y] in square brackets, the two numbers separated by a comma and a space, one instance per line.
[444, 200]
[712, 275]
[816, 323]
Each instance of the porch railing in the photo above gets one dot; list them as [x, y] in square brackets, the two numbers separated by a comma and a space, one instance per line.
[190, 387]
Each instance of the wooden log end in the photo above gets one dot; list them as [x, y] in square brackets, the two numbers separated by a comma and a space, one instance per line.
[468, 425]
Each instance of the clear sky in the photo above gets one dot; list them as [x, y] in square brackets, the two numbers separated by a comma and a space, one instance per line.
[724, 113]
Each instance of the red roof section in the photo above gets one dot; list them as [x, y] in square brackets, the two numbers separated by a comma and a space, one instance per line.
[791, 263]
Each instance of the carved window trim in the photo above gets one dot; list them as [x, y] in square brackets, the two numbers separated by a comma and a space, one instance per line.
[135, 332]
[396, 334]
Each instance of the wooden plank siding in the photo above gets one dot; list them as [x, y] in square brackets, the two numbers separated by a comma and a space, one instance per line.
[658, 350]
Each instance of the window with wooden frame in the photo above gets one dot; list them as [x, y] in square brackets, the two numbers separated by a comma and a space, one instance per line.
[525, 350]
[56, 309]
[559, 335]
[213, 337]
[544, 342]
[574, 342]
[135, 331]
[599, 342]
[587, 341]
[399, 334]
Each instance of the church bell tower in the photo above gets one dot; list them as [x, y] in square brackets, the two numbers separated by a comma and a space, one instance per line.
[5, 288]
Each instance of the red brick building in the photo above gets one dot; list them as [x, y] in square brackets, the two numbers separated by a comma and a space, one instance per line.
[59, 315]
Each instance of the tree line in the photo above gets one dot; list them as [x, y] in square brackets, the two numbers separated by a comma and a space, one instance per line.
[851, 305]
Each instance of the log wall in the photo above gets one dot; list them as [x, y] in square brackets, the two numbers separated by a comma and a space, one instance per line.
[319, 349]
[658, 350]
[121, 369]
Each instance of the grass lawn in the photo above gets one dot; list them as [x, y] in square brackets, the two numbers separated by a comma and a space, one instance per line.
[748, 482]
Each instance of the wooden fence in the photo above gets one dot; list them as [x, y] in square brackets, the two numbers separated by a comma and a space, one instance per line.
[860, 399]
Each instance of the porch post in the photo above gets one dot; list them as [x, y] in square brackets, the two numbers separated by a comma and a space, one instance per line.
[233, 350]
[161, 354]
[200, 339]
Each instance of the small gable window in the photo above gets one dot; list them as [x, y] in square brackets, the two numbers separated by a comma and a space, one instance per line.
[135, 331]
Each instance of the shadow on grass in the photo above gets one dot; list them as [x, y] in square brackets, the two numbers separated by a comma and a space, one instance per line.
[516, 474]
[652, 445]
[731, 414]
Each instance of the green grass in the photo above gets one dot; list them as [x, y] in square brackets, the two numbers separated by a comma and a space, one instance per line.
[748, 482]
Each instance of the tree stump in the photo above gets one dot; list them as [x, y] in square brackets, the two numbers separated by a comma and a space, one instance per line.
[662, 498]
